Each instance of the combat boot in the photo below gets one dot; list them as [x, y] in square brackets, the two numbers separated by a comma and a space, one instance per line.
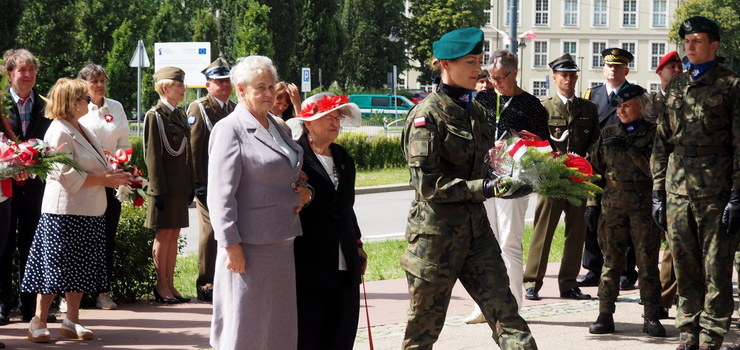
[604, 324]
[652, 327]
[733, 346]
[688, 347]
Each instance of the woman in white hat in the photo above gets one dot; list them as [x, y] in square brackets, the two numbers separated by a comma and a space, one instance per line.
[328, 256]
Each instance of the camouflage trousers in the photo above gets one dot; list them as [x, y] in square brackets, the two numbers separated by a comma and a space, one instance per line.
[616, 226]
[703, 255]
[433, 264]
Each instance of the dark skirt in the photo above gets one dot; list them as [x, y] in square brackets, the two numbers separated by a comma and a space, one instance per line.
[67, 255]
[174, 214]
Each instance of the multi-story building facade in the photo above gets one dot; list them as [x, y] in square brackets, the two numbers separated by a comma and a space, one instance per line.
[583, 29]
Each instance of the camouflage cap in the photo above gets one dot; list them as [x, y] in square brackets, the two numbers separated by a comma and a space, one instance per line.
[218, 69]
[459, 43]
[698, 24]
[564, 63]
[172, 73]
[626, 92]
[616, 55]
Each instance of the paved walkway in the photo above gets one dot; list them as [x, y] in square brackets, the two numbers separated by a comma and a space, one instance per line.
[555, 323]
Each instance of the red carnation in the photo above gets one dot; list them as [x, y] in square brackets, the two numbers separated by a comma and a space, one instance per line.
[138, 202]
[309, 110]
[580, 163]
[330, 102]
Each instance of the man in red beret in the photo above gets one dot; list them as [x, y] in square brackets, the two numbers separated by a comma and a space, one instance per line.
[669, 66]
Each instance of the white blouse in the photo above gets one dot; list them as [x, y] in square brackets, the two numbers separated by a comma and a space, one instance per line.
[109, 125]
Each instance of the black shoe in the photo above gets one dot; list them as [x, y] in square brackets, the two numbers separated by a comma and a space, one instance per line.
[2, 345]
[625, 284]
[531, 294]
[205, 295]
[158, 298]
[575, 293]
[663, 313]
[4, 319]
[588, 282]
[604, 324]
[687, 347]
[182, 299]
[652, 327]
[49, 318]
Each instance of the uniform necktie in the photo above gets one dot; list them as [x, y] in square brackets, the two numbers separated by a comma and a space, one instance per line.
[611, 95]
[568, 106]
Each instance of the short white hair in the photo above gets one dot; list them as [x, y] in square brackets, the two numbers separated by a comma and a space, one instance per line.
[251, 66]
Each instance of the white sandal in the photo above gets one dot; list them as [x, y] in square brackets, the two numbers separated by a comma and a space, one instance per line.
[74, 330]
[40, 335]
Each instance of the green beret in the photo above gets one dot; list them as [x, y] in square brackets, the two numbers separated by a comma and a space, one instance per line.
[459, 43]
[616, 55]
[564, 63]
[626, 92]
[172, 73]
[698, 24]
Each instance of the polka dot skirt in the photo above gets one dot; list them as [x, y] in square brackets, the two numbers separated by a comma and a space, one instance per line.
[67, 255]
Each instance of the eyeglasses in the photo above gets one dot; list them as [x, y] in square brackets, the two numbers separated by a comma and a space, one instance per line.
[337, 118]
[86, 98]
[498, 79]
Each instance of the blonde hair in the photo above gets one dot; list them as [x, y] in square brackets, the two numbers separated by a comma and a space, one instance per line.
[160, 84]
[62, 98]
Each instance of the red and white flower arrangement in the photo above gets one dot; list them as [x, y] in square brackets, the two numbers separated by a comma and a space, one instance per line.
[326, 103]
[34, 156]
[136, 191]
[528, 159]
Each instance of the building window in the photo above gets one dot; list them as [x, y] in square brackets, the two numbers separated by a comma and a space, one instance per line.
[401, 82]
[657, 50]
[507, 20]
[597, 61]
[600, 18]
[654, 87]
[595, 84]
[542, 12]
[632, 48]
[570, 17]
[660, 13]
[488, 13]
[486, 51]
[540, 53]
[539, 88]
[570, 47]
[629, 13]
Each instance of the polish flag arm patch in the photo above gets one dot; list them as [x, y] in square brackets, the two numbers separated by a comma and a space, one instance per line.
[420, 122]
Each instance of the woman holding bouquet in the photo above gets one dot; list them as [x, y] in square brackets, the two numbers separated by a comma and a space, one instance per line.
[171, 180]
[445, 140]
[622, 156]
[68, 251]
[106, 119]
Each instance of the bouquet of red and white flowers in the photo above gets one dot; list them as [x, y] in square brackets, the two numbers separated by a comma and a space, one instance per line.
[34, 156]
[528, 159]
[136, 191]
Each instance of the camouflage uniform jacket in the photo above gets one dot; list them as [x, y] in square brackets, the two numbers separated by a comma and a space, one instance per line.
[582, 124]
[445, 146]
[626, 168]
[657, 107]
[702, 113]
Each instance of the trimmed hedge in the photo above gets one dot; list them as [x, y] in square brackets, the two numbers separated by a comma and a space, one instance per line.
[133, 268]
[378, 152]
[137, 158]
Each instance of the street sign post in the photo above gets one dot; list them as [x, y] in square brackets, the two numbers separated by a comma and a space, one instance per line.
[305, 79]
[139, 60]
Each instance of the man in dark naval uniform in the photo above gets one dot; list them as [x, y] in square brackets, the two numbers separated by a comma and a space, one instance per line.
[203, 113]
[615, 70]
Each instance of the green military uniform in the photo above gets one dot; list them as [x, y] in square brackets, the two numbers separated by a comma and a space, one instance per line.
[625, 212]
[203, 113]
[696, 161]
[169, 162]
[581, 121]
[449, 236]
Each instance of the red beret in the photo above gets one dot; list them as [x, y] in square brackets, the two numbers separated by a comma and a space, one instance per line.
[669, 57]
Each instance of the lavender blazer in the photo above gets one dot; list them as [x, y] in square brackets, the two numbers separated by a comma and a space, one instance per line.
[251, 182]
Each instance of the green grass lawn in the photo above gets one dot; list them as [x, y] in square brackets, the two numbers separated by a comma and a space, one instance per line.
[382, 177]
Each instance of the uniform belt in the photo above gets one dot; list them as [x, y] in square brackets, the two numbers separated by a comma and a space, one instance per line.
[630, 185]
[698, 151]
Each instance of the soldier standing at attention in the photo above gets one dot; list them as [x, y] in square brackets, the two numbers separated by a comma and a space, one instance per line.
[574, 128]
[622, 157]
[615, 71]
[696, 186]
[203, 113]
[446, 138]
[669, 66]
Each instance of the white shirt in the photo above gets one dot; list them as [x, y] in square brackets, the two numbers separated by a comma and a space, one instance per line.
[565, 99]
[112, 135]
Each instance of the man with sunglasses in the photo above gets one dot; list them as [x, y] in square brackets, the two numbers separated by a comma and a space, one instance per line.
[26, 117]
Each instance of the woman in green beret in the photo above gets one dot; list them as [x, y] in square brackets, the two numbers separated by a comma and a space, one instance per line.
[171, 180]
[446, 138]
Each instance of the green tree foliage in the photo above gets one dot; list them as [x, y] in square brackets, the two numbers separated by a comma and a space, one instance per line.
[252, 36]
[430, 19]
[9, 18]
[205, 29]
[725, 12]
[284, 21]
[369, 54]
[320, 41]
[122, 78]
